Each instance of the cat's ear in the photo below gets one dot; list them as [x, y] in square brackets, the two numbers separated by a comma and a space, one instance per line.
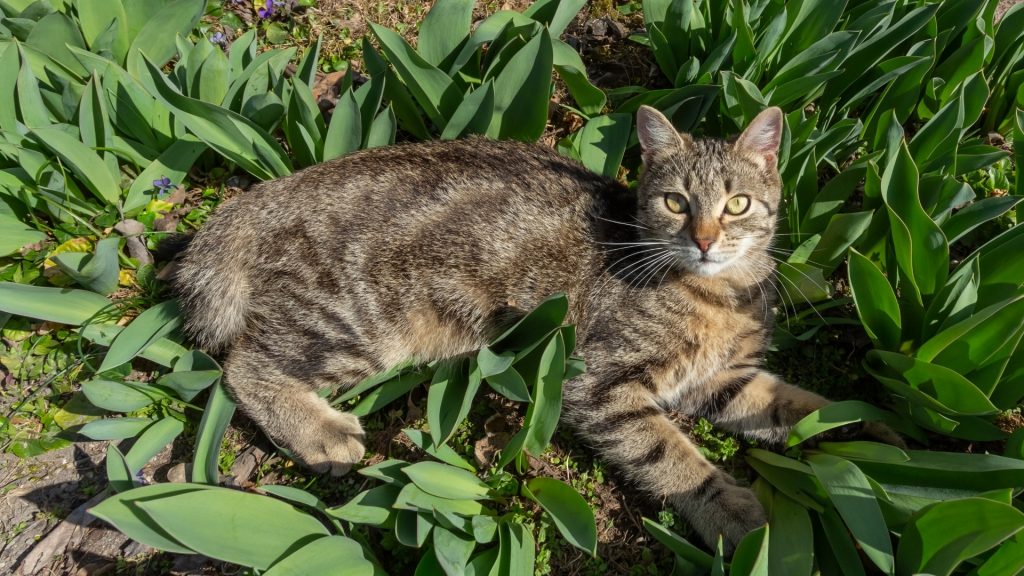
[657, 135]
[760, 141]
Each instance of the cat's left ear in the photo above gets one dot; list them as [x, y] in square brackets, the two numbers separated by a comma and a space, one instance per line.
[760, 141]
[658, 137]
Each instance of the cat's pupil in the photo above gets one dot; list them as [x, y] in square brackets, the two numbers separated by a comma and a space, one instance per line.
[676, 203]
[737, 205]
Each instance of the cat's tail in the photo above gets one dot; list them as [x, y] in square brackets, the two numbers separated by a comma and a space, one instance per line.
[212, 285]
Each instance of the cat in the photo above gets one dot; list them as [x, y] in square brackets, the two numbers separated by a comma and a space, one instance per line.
[428, 250]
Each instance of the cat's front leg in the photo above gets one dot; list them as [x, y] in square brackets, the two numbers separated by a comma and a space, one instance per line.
[750, 401]
[621, 419]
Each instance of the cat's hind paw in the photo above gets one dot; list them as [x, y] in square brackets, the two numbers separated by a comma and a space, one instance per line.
[333, 445]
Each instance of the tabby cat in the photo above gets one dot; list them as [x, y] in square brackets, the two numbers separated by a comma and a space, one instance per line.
[428, 250]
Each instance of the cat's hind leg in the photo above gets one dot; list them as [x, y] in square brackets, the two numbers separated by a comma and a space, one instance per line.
[286, 406]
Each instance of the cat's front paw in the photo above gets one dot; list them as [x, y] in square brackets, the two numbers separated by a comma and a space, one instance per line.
[732, 513]
[333, 445]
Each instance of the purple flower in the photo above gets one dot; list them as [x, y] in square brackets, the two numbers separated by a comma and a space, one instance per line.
[267, 11]
[164, 185]
[219, 39]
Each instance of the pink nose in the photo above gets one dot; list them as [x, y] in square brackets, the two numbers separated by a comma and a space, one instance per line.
[704, 243]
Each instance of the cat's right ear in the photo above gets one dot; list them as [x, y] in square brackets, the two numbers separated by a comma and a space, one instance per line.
[657, 135]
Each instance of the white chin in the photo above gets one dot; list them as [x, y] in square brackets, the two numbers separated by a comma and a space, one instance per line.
[705, 269]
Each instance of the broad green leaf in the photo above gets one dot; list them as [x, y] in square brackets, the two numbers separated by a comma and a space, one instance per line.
[837, 550]
[1008, 559]
[390, 390]
[947, 469]
[443, 29]
[452, 550]
[940, 537]
[152, 441]
[751, 556]
[234, 526]
[837, 414]
[790, 532]
[515, 551]
[840, 233]
[173, 163]
[187, 384]
[543, 413]
[307, 65]
[99, 271]
[678, 544]
[1018, 155]
[233, 135]
[968, 344]
[802, 283]
[388, 471]
[521, 93]
[510, 384]
[569, 511]
[442, 452]
[120, 396]
[446, 481]
[96, 16]
[371, 506]
[148, 327]
[794, 479]
[437, 95]
[547, 316]
[219, 410]
[119, 476]
[931, 385]
[473, 114]
[876, 302]
[155, 40]
[602, 143]
[976, 214]
[412, 528]
[94, 124]
[864, 450]
[114, 428]
[81, 160]
[450, 396]
[413, 498]
[570, 68]
[323, 556]
[14, 234]
[345, 132]
[122, 510]
[555, 14]
[294, 495]
[162, 351]
[849, 490]
[383, 130]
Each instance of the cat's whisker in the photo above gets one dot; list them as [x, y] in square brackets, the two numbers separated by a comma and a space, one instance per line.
[638, 272]
[797, 287]
[654, 271]
[643, 243]
[622, 223]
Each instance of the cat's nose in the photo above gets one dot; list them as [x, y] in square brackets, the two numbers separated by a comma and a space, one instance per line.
[703, 243]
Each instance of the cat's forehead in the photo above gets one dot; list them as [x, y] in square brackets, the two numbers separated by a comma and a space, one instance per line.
[707, 165]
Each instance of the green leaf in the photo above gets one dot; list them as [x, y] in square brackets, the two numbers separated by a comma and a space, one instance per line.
[1018, 154]
[790, 532]
[187, 384]
[570, 68]
[234, 526]
[413, 498]
[433, 89]
[383, 130]
[838, 414]
[123, 512]
[81, 160]
[511, 385]
[219, 410]
[450, 397]
[515, 551]
[1008, 559]
[96, 16]
[155, 40]
[930, 385]
[678, 545]
[877, 307]
[837, 546]
[521, 93]
[147, 328]
[543, 413]
[443, 29]
[389, 471]
[849, 490]
[152, 441]
[345, 133]
[452, 550]
[446, 481]
[387, 392]
[114, 428]
[569, 511]
[323, 556]
[412, 528]
[976, 214]
[97, 272]
[442, 452]
[230, 134]
[602, 142]
[294, 495]
[473, 114]
[555, 14]
[968, 344]
[938, 538]
[372, 507]
[547, 316]
[948, 470]
[119, 475]
[751, 556]
[864, 450]
[788, 476]
[173, 163]
[120, 396]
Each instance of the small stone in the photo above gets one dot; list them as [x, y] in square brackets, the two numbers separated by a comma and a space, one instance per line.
[177, 473]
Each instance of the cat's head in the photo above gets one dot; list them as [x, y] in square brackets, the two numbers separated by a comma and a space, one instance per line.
[713, 202]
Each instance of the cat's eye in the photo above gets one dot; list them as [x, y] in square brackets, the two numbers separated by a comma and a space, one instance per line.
[676, 203]
[737, 205]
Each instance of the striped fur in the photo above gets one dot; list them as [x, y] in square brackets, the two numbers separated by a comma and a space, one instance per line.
[427, 250]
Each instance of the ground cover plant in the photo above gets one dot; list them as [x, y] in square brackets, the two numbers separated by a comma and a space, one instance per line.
[899, 226]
